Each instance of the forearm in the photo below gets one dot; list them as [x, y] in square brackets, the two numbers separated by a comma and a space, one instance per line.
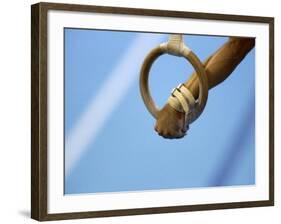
[222, 63]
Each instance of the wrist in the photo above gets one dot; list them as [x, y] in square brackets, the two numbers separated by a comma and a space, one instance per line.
[182, 99]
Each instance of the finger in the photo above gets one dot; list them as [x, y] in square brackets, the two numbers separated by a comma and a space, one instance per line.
[185, 128]
[156, 128]
[165, 134]
[179, 135]
[172, 136]
[176, 134]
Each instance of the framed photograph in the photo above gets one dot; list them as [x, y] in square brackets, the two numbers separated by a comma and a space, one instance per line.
[139, 111]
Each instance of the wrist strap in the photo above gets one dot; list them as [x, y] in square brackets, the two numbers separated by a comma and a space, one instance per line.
[182, 99]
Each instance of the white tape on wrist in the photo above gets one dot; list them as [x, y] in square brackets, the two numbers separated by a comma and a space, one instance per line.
[182, 99]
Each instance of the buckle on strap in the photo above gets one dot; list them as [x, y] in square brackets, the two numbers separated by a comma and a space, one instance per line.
[182, 100]
[187, 95]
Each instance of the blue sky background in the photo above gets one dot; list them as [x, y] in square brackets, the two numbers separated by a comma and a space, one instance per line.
[126, 154]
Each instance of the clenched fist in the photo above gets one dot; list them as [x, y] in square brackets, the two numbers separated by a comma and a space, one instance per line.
[171, 123]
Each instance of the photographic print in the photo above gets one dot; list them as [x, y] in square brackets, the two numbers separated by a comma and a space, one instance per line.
[110, 141]
[139, 111]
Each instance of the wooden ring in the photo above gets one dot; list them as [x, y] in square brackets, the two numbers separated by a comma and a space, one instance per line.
[200, 72]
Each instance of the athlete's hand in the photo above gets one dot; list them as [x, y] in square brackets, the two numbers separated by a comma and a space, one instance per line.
[170, 123]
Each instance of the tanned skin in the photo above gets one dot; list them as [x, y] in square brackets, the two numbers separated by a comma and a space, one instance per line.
[171, 123]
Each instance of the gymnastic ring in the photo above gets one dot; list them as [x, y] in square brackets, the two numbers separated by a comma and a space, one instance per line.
[200, 72]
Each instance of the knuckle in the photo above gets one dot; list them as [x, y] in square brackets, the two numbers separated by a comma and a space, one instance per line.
[156, 128]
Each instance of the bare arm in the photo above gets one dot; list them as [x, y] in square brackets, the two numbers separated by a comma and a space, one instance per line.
[170, 123]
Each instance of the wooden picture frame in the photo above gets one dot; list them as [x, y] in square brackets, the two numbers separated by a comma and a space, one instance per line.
[39, 110]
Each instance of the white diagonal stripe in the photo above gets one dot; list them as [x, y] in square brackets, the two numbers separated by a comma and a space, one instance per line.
[107, 99]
